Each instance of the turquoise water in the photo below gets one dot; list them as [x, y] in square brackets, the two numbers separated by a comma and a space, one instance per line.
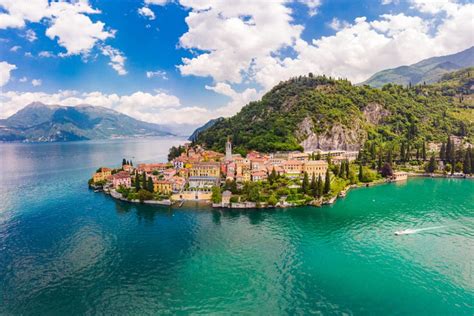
[67, 250]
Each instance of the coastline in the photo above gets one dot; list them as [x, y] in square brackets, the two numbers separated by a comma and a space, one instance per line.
[256, 206]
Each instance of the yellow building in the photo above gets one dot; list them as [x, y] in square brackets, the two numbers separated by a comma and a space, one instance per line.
[205, 169]
[293, 167]
[163, 186]
[315, 167]
[102, 174]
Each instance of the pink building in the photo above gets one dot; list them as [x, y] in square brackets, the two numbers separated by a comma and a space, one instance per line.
[121, 178]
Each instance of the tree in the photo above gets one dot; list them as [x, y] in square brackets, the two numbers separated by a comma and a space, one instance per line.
[432, 165]
[467, 162]
[327, 183]
[272, 177]
[389, 157]
[144, 182]
[442, 153]
[305, 183]
[379, 163]
[137, 182]
[423, 151]
[361, 173]
[386, 170]
[458, 167]
[150, 186]
[124, 162]
[216, 196]
[347, 169]
[402, 152]
[320, 186]
[144, 195]
[314, 186]
[272, 200]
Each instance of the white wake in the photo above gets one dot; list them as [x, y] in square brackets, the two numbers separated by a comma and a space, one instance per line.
[414, 231]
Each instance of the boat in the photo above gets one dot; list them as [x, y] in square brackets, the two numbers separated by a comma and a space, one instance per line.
[405, 232]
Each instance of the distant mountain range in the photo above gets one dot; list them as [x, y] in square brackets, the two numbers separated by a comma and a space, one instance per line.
[429, 70]
[39, 122]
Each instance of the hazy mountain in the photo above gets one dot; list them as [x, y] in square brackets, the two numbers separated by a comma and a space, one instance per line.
[201, 129]
[429, 70]
[39, 122]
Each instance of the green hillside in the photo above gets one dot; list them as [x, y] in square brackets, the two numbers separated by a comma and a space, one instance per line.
[310, 112]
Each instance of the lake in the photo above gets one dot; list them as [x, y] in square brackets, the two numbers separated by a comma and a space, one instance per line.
[67, 250]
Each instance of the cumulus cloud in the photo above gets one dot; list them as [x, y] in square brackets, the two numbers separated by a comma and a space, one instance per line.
[23, 79]
[146, 12]
[312, 5]
[369, 46]
[159, 107]
[237, 100]
[30, 35]
[36, 82]
[337, 24]
[158, 73]
[117, 59]
[45, 54]
[156, 2]
[5, 69]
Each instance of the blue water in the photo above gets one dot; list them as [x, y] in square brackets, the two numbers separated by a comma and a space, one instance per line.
[67, 250]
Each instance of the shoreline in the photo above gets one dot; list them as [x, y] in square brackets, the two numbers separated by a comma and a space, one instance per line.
[253, 205]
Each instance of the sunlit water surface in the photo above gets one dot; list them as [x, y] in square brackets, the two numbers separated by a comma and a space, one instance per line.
[67, 250]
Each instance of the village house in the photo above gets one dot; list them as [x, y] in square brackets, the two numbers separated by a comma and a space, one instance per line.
[205, 169]
[399, 176]
[128, 168]
[177, 183]
[101, 174]
[259, 175]
[293, 168]
[257, 164]
[150, 167]
[121, 179]
[163, 186]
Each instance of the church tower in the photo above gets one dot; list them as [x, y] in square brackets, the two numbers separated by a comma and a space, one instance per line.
[228, 150]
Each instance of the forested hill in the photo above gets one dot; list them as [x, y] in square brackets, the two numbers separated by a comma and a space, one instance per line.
[311, 112]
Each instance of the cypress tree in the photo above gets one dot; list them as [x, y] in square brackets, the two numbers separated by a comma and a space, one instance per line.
[447, 155]
[144, 183]
[320, 186]
[124, 162]
[432, 165]
[379, 163]
[402, 152]
[150, 186]
[467, 162]
[314, 186]
[423, 151]
[347, 169]
[137, 182]
[389, 157]
[361, 173]
[471, 150]
[407, 156]
[305, 184]
[327, 183]
[442, 152]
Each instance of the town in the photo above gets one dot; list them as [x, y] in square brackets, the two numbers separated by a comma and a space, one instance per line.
[280, 179]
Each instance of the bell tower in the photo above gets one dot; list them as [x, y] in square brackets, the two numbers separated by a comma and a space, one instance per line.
[228, 150]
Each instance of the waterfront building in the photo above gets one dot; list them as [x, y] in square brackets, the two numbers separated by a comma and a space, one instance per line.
[163, 186]
[203, 182]
[315, 167]
[121, 179]
[102, 174]
[399, 176]
[205, 169]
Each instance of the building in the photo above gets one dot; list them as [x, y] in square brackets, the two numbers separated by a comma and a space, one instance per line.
[293, 167]
[259, 175]
[257, 164]
[228, 150]
[121, 179]
[177, 183]
[150, 167]
[205, 169]
[163, 186]
[203, 182]
[399, 176]
[315, 167]
[101, 174]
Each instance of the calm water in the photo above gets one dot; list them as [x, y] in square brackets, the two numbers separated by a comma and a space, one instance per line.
[67, 250]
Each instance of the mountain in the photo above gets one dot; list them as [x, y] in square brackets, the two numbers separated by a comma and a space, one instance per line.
[429, 70]
[308, 113]
[38, 122]
[201, 129]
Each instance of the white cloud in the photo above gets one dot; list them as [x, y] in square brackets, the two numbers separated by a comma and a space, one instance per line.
[160, 107]
[45, 54]
[10, 21]
[74, 30]
[117, 59]
[158, 73]
[23, 79]
[15, 48]
[36, 82]
[30, 35]
[21, 11]
[146, 12]
[237, 100]
[312, 5]
[5, 69]
[156, 2]
[369, 46]
[337, 24]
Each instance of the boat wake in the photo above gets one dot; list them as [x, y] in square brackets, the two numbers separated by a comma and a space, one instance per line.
[414, 231]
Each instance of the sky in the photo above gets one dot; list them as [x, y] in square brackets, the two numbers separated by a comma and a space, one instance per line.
[187, 61]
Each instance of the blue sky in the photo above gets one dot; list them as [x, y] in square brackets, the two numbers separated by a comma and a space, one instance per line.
[207, 58]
